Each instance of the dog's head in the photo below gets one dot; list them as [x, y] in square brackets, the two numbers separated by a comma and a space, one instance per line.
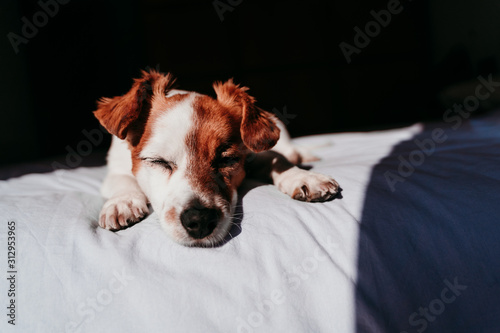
[188, 150]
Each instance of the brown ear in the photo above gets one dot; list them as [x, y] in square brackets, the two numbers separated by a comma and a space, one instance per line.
[124, 116]
[259, 131]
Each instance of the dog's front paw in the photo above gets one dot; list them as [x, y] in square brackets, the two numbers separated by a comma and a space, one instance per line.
[121, 211]
[306, 185]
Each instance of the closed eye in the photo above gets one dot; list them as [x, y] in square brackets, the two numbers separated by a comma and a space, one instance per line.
[160, 162]
[227, 161]
[226, 156]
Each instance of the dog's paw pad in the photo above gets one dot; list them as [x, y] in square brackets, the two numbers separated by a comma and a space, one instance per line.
[123, 211]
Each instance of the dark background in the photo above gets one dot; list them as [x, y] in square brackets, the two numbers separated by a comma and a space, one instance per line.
[287, 52]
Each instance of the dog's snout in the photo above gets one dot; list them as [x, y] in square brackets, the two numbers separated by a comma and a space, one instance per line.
[199, 221]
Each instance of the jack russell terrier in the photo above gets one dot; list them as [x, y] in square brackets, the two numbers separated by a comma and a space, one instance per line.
[187, 153]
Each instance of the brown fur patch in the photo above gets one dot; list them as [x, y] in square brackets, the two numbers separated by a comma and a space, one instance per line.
[125, 116]
[171, 214]
[216, 131]
[259, 131]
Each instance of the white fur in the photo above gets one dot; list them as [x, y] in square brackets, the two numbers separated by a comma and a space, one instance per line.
[126, 202]
[319, 187]
[173, 92]
[168, 190]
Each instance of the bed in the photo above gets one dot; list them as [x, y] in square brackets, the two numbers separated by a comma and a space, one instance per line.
[412, 245]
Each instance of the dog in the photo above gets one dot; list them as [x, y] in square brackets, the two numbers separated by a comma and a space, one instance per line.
[186, 154]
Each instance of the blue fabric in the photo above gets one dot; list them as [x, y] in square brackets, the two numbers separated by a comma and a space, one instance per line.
[429, 244]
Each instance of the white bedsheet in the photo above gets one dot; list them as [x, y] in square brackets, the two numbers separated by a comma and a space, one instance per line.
[292, 268]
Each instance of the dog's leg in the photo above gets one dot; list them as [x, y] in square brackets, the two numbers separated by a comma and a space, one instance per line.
[285, 147]
[299, 184]
[126, 203]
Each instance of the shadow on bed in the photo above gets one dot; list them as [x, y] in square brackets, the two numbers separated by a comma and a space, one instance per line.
[236, 227]
[429, 243]
[247, 186]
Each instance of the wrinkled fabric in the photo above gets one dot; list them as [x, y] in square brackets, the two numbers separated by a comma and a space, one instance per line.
[361, 263]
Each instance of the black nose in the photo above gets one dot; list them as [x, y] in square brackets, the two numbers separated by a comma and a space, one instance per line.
[199, 221]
